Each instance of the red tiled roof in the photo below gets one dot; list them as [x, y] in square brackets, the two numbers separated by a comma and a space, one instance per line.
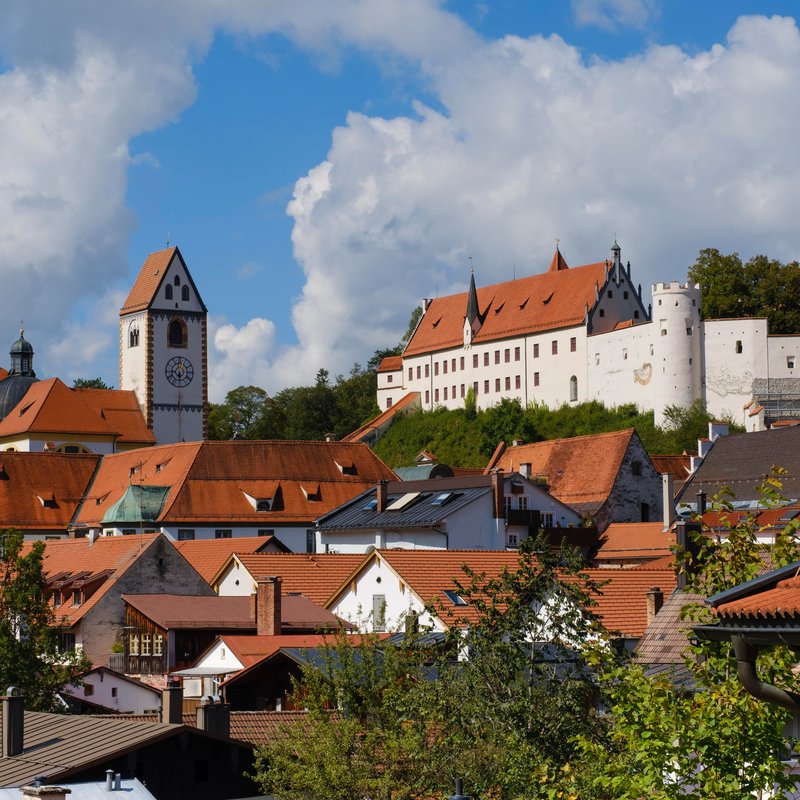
[781, 601]
[664, 562]
[634, 540]
[391, 364]
[208, 555]
[382, 418]
[558, 262]
[581, 470]
[556, 299]
[172, 611]
[107, 558]
[3, 373]
[120, 408]
[51, 407]
[148, 280]
[209, 481]
[317, 576]
[41, 491]
[678, 466]
[250, 650]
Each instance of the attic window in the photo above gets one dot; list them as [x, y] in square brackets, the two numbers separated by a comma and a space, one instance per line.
[442, 498]
[403, 502]
[370, 505]
[47, 500]
[163, 464]
[523, 303]
[437, 322]
[454, 597]
[346, 467]
[264, 505]
[99, 500]
[24, 409]
[312, 493]
[548, 298]
[499, 308]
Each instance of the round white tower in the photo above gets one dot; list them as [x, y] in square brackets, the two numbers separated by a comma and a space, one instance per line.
[676, 347]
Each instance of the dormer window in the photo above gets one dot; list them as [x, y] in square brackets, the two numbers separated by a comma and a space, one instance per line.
[76, 597]
[57, 598]
[346, 467]
[264, 505]
[454, 597]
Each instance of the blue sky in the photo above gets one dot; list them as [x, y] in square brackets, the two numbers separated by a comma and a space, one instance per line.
[323, 166]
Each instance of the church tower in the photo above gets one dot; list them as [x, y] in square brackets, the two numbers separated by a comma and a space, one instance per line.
[163, 349]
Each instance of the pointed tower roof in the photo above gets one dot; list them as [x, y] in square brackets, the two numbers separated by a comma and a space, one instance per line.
[558, 263]
[473, 312]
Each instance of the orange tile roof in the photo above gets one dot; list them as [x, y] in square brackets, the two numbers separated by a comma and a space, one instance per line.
[68, 558]
[633, 540]
[556, 299]
[208, 555]
[28, 479]
[678, 465]
[781, 601]
[382, 418]
[148, 280]
[209, 481]
[621, 604]
[581, 470]
[52, 407]
[317, 576]
[391, 364]
[120, 408]
[664, 562]
[558, 262]
[251, 649]
[3, 373]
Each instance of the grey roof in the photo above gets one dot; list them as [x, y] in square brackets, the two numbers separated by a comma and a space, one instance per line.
[419, 513]
[421, 472]
[665, 640]
[12, 390]
[131, 789]
[742, 460]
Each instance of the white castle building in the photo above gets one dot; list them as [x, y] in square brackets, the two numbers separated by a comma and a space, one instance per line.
[576, 334]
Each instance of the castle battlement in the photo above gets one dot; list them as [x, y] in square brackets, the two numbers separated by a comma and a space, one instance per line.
[675, 286]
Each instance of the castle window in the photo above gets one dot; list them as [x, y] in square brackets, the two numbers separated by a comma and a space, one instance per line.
[496, 356]
[486, 359]
[636, 315]
[625, 295]
[573, 344]
[461, 363]
[636, 468]
[554, 347]
[176, 333]
[597, 359]
[418, 371]
[185, 534]
[388, 402]
[536, 350]
[486, 387]
[411, 373]
[645, 512]
[168, 292]
[427, 396]
[663, 331]
[659, 301]
[445, 393]
[453, 366]
[689, 331]
[516, 354]
[177, 280]
[624, 353]
[388, 379]
[508, 383]
[223, 534]
[738, 345]
[535, 378]
[517, 382]
[133, 337]
[610, 293]
[507, 355]
[435, 395]
[427, 370]
[475, 388]
[463, 390]
[435, 367]
[573, 389]
[497, 384]
[602, 312]
[790, 362]
[444, 367]
[474, 359]
[185, 293]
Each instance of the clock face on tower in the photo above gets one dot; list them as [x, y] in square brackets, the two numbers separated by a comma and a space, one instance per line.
[179, 371]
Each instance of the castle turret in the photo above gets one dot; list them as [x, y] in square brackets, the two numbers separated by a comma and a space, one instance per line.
[677, 347]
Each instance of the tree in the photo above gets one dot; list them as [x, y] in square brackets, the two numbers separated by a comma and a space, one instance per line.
[412, 716]
[760, 287]
[715, 741]
[90, 383]
[30, 658]
[240, 416]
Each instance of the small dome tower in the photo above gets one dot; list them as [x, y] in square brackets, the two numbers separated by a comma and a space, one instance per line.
[20, 377]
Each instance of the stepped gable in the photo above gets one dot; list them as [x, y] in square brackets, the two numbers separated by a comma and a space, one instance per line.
[84, 563]
[581, 471]
[554, 299]
[41, 491]
[52, 407]
[317, 576]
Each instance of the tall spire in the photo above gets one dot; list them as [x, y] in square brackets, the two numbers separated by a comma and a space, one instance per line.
[472, 300]
[558, 263]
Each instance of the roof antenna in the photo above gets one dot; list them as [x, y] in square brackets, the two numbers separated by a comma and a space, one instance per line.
[167, 238]
[471, 266]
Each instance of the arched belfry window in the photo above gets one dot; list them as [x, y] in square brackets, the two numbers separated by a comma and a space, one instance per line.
[177, 280]
[133, 336]
[168, 292]
[573, 389]
[177, 335]
[185, 293]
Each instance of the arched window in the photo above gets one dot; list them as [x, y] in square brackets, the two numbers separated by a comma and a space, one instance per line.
[168, 292]
[73, 448]
[177, 280]
[573, 389]
[185, 293]
[177, 335]
[133, 337]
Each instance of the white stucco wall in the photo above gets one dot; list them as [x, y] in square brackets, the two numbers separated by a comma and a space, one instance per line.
[130, 697]
[293, 537]
[220, 657]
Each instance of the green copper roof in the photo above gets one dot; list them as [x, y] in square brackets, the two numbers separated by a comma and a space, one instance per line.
[138, 504]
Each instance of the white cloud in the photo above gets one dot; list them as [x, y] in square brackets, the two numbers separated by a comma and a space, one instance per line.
[669, 151]
[612, 14]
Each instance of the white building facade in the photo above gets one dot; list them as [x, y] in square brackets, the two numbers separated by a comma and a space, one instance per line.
[572, 335]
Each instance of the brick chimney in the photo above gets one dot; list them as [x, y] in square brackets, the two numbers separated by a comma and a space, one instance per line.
[172, 704]
[382, 493]
[655, 599]
[265, 605]
[13, 723]
[498, 494]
